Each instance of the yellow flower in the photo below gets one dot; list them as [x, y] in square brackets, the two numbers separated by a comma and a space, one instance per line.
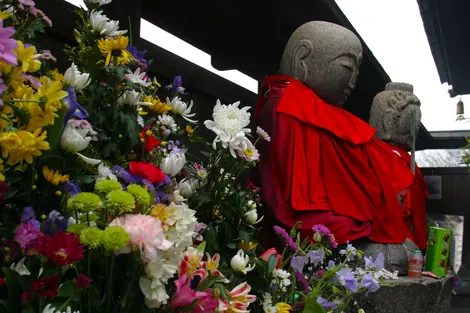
[212, 263]
[109, 47]
[2, 177]
[54, 177]
[245, 248]
[22, 146]
[157, 105]
[162, 212]
[56, 75]
[52, 90]
[27, 56]
[4, 15]
[189, 130]
[283, 307]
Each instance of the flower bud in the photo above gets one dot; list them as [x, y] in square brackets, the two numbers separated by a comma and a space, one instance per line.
[251, 217]
[317, 237]
[34, 187]
[239, 262]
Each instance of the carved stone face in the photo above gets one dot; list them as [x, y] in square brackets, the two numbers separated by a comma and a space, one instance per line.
[325, 57]
[396, 115]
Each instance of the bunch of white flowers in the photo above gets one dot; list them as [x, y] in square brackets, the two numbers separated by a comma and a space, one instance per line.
[281, 279]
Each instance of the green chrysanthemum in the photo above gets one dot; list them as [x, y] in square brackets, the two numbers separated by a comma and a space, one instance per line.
[92, 237]
[121, 201]
[115, 238]
[76, 229]
[84, 202]
[105, 186]
[140, 194]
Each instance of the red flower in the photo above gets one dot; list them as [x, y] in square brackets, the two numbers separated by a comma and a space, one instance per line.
[27, 296]
[47, 287]
[2, 282]
[3, 190]
[150, 142]
[62, 248]
[82, 281]
[148, 171]
[267, 254]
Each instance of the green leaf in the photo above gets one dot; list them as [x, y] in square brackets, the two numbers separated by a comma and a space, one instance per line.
[207, 283]
[312, 306]
[272, 263]
[68, 289]
[54, 132]
[202, 247]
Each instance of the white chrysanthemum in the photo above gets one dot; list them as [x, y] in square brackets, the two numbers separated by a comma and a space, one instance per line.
[74, 139]
[103, 25]
[50, 309]
[73, 77]
[104, 172]
[99, 2]
[168, 122]
[188, 187]
[239, 263]
[263, 134]
[182, 222]
[180, 107]
[229, 124]
[173, 163]
[132, 98]
[140, 121]
[137, 77]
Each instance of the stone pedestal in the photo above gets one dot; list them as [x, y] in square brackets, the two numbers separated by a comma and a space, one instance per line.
[410, 296]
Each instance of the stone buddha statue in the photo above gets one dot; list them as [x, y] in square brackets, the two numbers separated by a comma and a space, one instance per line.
[396, 116]
[323, 164]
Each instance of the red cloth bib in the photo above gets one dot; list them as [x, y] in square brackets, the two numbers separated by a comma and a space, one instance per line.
[324, 166]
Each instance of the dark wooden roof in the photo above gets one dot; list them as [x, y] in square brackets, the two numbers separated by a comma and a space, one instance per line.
[446, 26]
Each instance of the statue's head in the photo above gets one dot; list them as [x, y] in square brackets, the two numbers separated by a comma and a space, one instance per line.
[392, 114]
[325, 57]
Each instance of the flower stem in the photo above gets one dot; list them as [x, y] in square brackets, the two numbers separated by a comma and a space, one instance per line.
[64, 305]
[89, 275]
[110, 284]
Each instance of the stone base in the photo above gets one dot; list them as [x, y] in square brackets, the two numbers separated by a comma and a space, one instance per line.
[411, 296]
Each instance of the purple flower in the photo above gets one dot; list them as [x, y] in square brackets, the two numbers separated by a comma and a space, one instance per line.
[350, 251]
[35, 83]
[125, 175]
[302, 281]
[177, 86]
[27, 235]
[7, 45]
[368, 281]
[346, 277]
[72, 188]
[324, 231]
[316, 256]
[331, 264]
[74, 108]
[376, 265]
[166, 132]
[298, 263]
[139, 56]
[47, 55]
[53, 223]
[148, 184]
[3, 87]
[28, 214]
[287, 239]
[326, 304]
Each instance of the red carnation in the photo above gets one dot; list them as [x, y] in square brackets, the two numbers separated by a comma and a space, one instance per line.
[82, 281]
[148, 171]
[47, 287]
[150, 142]
[27, 296]
[62, 248]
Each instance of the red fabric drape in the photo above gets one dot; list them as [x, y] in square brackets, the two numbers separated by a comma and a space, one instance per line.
[324, 166]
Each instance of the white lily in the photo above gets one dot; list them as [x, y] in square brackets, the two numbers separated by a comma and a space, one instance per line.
[187, 187]
[181, 108]
[99, 2]
[251, 217]
[173, 163]
[73, 139]
[132, 98]
[73, 77]
[239, 263]
[88, 160]
[103, 25]
[20, 268]
[137, 77]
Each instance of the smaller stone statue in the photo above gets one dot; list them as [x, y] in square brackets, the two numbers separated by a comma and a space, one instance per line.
[396, 116]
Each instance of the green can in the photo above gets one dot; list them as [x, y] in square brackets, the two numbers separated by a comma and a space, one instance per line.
[437, 253]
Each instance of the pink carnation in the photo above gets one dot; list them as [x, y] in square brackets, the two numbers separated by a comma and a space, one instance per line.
[145, 232]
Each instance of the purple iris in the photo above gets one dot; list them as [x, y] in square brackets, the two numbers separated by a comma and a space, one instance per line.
[74, 108]
[139, 55]
[346, 277]
[368, 281]
[298, 263]
[177, 86]
[377, 265]
[53, 223]
[326, 304]
[316, 256]
[72, 188]
[29, 216]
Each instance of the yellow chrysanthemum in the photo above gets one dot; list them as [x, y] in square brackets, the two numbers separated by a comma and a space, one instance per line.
[2, 177]
[4, 121]
[283, 307]
[5, 67]
[56, 75]
[22, 146]
[27, 56]
[111, 46]
[157, 105]
[4, 15]
[54, 177]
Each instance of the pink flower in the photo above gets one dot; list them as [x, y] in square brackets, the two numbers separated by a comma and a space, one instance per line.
[185, 296]
[268, 253]
[7, 44]
[145, 232]
[239, 300]
[27, 235]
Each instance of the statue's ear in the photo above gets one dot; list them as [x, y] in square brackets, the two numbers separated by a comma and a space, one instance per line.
[302, 51]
